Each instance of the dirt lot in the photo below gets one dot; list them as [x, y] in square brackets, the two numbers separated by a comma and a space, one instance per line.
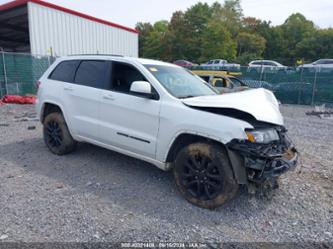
[98, 195]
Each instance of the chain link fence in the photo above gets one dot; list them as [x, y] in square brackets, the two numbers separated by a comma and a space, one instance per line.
[305, 86]
[293, 85]
[19, 72]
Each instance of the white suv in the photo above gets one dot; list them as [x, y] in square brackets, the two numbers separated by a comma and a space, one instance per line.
[266, 65]
[218, 63]
[163, 114]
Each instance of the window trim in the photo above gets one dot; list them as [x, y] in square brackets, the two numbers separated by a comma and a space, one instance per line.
[61, 62]
[110, 79]
[105, 77]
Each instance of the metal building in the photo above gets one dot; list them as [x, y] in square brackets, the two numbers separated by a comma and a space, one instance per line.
[42, 28]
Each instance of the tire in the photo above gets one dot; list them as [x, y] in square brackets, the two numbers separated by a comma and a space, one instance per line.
[56, 134]
[204, 176]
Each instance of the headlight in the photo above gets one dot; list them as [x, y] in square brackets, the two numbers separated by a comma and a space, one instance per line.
[263, 136]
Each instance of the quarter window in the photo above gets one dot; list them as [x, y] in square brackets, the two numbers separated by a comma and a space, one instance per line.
[65, 71]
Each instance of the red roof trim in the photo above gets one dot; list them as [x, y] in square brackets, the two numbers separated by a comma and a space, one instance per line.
[17, 3]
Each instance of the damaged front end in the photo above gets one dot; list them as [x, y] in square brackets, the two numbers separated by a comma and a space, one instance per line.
[266, 160]
[265, 152]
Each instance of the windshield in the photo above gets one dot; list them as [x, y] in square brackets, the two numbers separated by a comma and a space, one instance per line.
[180, 82]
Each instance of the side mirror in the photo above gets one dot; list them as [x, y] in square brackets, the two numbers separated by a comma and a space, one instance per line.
[142, 88]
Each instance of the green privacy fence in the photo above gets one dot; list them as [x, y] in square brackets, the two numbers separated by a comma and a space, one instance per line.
[293, 85]
[19, 72]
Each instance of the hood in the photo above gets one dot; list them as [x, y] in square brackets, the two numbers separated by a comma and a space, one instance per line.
[260, 103]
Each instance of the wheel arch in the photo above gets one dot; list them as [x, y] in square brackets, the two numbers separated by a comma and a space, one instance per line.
[47, 108]
[184, 139]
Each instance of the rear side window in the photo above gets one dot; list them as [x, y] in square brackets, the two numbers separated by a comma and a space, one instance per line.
[65, 71]
[91, 73]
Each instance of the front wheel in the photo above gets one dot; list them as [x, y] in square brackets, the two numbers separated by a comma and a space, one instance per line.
[56, 134]
[204, 176]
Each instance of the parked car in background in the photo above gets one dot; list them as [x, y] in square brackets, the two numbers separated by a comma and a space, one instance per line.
[184, 63]
[221, 65]
[266, 66]
[224, 83]
[319, 65]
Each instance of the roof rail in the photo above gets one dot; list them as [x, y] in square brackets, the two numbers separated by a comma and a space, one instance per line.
[116, 55]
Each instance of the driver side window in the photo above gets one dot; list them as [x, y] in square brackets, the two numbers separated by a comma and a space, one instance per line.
[123, 75]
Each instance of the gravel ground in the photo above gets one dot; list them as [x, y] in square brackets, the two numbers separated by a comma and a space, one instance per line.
[99, 195]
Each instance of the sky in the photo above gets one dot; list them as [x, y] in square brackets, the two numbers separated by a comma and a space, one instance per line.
[129, 12]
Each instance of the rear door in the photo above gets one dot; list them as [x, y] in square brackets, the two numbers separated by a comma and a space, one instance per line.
[82, 97]
[128, 121]
[62, 76]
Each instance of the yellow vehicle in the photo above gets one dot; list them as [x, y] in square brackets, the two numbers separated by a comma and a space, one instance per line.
[222, 81]
[215, 72]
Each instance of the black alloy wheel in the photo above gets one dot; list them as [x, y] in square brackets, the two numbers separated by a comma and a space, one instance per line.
[204, 176]
[56, 134]
[53, 134]
[201, 177]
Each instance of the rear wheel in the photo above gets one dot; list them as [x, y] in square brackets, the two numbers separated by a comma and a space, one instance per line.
[204, 176]
[56, 134]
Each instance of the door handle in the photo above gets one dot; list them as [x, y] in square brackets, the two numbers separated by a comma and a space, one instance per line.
[108, 97]
[68, 88]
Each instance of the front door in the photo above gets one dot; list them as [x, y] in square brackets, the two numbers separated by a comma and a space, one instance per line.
[128, 122]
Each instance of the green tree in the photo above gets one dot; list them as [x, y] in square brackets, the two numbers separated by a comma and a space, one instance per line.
[205, 31]
[320, 45]
[275, 45]
[250, 43]
[195, 24]
[217, 43]
[294, 30]
[249, 47]
[151, 47]
[175, 40]
[144, 30]
[230, 14]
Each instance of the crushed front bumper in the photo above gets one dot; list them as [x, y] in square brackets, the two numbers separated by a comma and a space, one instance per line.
[266, 161]
[280, 165]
